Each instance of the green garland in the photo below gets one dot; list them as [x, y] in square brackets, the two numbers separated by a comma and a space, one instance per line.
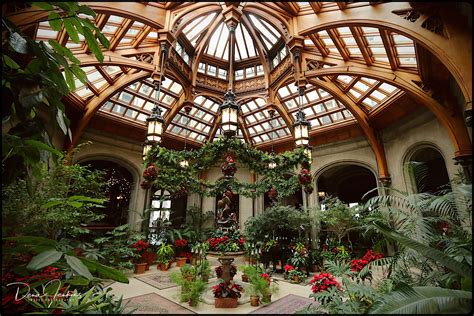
[173, 178]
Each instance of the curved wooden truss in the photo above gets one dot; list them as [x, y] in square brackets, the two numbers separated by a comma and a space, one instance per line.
[357, 60]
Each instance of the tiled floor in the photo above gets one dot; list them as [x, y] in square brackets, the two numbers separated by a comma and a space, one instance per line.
[137, 287]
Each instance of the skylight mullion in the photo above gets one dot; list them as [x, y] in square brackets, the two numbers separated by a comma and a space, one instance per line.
[244, 39]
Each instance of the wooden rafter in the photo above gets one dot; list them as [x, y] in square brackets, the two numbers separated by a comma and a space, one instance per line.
[389, 48]
[316, 6]
[341, 5]
[120, 33]
[339, 43]
[361, 43]
[318, 42]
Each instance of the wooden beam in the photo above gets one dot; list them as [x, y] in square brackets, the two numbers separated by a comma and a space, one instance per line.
[389, 48]
[361, 43]
[339, 43]
[316, 6]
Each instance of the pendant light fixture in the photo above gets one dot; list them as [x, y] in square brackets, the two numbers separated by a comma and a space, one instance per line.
[272, 163]
[301, 125]
[184, 163]
[155, 122]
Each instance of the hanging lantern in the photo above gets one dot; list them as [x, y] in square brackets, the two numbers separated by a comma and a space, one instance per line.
[229, 115]
[184, 163]
[155, 126]
[301, 127]
[272, 165]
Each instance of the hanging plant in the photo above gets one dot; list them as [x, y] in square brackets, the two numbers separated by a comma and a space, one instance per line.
[228, 167]
[171, 177]
[308, 188]
[151, 172]
[273, 194]
[304, 177]
[145, 185]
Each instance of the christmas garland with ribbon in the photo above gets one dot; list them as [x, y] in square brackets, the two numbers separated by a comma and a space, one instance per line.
[163, 169]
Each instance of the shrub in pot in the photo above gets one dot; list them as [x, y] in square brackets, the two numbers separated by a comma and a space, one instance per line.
[164, 256]
[296, 276]
[192, 287]
[204, 270]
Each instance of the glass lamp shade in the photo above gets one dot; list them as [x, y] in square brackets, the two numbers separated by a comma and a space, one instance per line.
[272, 165]
[229, 122]
[301, 134]
[184, 163]
[155, 128]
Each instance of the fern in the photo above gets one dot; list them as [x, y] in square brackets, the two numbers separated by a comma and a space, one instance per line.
[424, 300]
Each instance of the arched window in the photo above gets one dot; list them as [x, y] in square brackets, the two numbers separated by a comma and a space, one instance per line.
[118, 186]
[427, 170]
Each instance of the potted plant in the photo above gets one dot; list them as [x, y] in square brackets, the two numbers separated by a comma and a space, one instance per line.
[192, 287]
[148, 256]
[204, 270]
[164, 255]
[254, 294]
[139, 248]
[267, 287]
[287, 268]
[226, 295]
[315, 260]
[296, 276]
[180, 246]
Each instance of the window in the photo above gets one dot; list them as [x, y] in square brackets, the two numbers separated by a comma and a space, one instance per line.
[222, 73]
[202, 68]
[239, 74]
[280, 55]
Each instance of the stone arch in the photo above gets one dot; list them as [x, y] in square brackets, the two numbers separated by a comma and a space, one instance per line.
[344, 162]
[409, 178]
[130, 167]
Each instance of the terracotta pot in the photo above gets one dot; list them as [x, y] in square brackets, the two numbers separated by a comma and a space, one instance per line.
[147, 267]
[180, 261]
[296, 279]
[140, 268]
[225, 302]
[163, 267]
[254, 300]
[245, 278]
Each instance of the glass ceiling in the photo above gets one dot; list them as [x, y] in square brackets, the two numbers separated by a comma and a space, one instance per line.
[369, 45]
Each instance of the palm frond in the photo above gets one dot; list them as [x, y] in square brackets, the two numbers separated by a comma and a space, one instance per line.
[427, 251]
[338, 268]
[376, 263]
[424, 300]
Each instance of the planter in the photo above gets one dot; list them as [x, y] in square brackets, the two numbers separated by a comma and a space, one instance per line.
[147, 267]
[296, 279]
[267, 298]
[163, 267]
[225, 302]
[314, 269]
[180, 261]
[254, 300]
[245, 278]
[140, 268]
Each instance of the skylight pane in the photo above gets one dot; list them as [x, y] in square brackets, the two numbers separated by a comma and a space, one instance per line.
[192, 30]
[239, 38]
[222, 42]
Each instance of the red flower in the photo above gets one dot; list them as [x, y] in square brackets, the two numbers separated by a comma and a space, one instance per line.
[288, 268]
[151, 172]
[140, 246]
[180, 243]
[322, 282]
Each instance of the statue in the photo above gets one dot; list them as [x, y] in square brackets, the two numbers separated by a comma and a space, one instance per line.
[226, 218]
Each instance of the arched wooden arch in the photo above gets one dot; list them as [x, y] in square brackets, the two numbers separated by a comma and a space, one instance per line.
[149, 15]
[269, 16]
[451, 51]
[191, 12]
[453, 122]
[94, 105]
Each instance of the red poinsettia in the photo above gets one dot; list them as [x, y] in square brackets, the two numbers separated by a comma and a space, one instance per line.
[369, 256]
[180, 243]
[266, 276]
[288, 268]
[151, 172]
[322, 282]
[231, 290]
[140, 246]
[304, 176]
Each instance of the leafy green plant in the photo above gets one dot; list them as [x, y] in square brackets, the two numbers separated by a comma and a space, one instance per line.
[165, 253]
[55, 205]
[203, 269]
[33, 84]
[192, 287]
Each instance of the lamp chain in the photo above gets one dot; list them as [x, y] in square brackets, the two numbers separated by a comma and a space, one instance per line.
[157, 98]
